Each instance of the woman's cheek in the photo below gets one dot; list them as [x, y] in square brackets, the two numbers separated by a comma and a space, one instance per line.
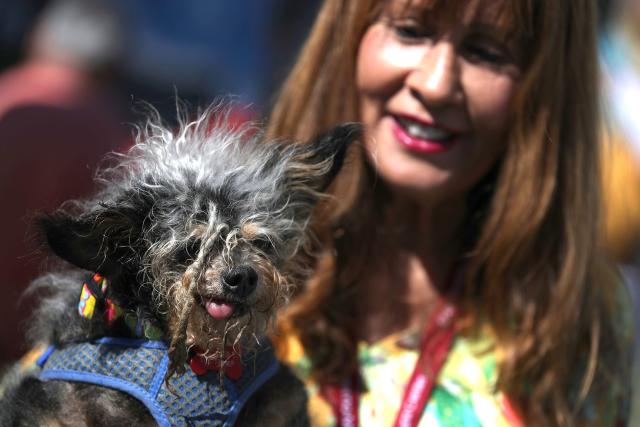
[489, 101]
[383, 62]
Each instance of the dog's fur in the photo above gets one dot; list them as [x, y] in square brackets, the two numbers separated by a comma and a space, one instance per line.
[177, 216]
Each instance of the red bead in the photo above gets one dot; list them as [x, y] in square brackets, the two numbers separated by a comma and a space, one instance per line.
[197, 366]
[233, 368]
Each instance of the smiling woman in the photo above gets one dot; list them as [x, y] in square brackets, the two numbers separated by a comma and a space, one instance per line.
[435, 97]
[459, 281]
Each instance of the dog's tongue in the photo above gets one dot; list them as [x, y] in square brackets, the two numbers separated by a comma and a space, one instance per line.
[219, 309]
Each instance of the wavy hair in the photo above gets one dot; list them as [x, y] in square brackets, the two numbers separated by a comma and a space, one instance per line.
[536, 275]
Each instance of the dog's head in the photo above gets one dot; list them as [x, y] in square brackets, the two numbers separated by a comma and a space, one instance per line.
[203, 227]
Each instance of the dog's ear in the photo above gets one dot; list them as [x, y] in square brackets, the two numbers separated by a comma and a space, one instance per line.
[329, 150]
[102, 240]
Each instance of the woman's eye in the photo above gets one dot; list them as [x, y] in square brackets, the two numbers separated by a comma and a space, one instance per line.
[487, 52]
[410, 30]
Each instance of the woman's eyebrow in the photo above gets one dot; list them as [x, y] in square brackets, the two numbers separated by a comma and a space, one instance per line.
[491, 29]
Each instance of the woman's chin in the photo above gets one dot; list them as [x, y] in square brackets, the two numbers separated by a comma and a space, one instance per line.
[421, 183]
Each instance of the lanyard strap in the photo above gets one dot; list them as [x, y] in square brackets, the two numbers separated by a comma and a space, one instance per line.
[344, 400]
[435, 346]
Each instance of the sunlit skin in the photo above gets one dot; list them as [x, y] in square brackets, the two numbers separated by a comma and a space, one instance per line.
[435, 96]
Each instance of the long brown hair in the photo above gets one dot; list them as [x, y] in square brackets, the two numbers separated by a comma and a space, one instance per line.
[535, 275]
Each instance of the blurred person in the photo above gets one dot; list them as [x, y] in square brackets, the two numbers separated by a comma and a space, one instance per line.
[200, 49]
[16, 17]
[205, 49]
[59, 114]
[459, 280]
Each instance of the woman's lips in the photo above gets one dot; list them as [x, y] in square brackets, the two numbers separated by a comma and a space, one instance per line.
[441, 140]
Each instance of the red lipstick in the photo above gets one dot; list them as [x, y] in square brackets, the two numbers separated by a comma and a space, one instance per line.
[418, 144]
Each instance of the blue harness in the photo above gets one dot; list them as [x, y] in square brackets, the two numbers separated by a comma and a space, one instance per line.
[138, 367]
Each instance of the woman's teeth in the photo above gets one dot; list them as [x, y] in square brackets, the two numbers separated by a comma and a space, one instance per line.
[425, 132]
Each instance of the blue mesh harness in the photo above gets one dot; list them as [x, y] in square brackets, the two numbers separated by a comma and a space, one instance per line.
[138, 367]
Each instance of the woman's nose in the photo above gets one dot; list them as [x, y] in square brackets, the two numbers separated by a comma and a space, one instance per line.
[436, 78]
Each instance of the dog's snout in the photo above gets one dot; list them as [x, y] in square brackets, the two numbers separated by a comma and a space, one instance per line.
[241, 281]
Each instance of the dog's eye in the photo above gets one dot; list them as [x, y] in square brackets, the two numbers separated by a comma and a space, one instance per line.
[262, 244]
[189, 252]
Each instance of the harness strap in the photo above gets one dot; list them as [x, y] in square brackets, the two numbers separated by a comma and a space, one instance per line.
[138, 367]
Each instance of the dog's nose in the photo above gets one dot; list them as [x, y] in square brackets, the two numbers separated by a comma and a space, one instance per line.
[241, 281]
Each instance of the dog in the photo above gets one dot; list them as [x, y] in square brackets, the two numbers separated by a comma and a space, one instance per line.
[195, 240]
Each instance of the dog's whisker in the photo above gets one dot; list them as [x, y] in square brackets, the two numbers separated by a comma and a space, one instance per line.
[177, 349]
[256, 339]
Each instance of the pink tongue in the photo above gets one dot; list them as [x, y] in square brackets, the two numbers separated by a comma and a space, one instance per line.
[219, 309]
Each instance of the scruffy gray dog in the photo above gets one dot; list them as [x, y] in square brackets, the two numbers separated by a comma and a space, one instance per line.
[195, 241]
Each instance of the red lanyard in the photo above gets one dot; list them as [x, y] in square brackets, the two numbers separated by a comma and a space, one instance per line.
[344, 401]
[434, 348]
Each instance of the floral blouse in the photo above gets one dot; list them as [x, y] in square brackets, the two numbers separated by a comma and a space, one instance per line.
[465, 393]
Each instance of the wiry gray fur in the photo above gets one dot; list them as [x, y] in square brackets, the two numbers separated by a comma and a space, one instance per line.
[178, 218]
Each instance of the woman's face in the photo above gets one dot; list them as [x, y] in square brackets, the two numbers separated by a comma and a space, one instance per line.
[435, 97]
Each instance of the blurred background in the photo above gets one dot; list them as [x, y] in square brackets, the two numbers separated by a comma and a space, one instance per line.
[73, 71]
[620, 60]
